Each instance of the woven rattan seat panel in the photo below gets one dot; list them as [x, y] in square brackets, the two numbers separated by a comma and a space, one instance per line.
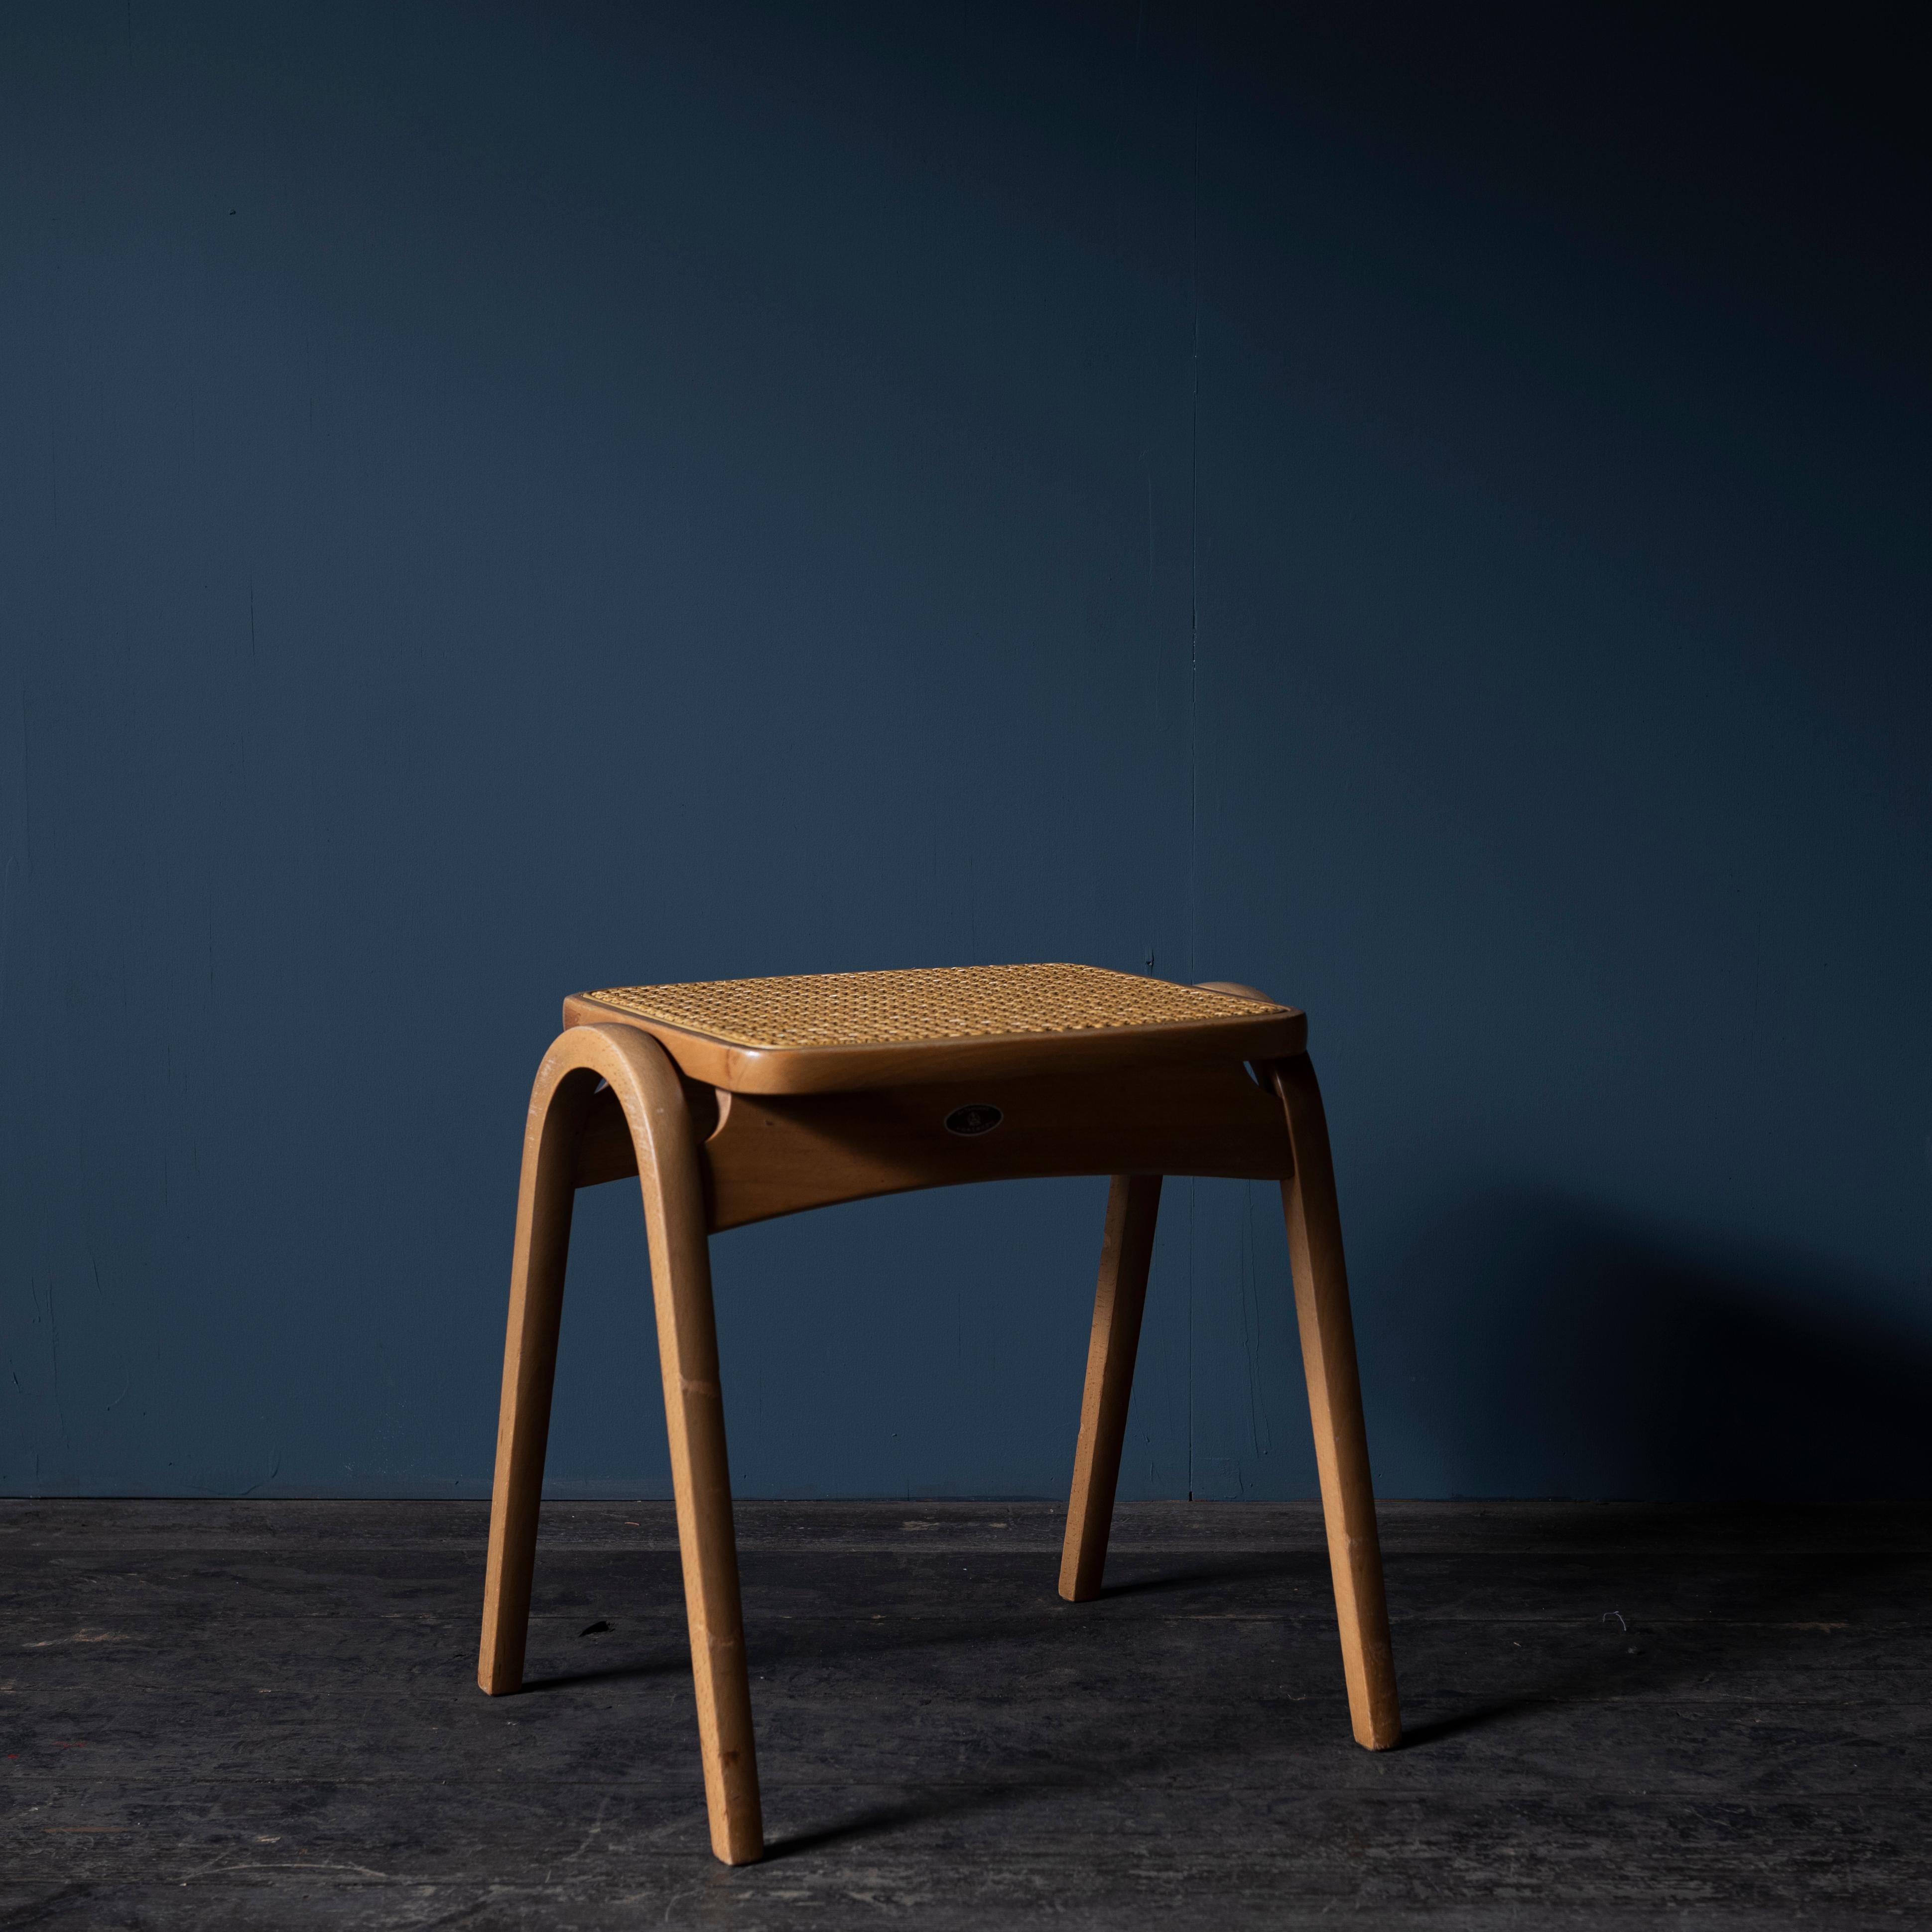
[922, 1004]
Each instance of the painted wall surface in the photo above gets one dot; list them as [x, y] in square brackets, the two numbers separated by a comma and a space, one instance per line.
[1423, 510]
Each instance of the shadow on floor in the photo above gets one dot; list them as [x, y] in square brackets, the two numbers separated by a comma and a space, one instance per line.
[1576, 1344]
[668, 1664]
[1586, 1356]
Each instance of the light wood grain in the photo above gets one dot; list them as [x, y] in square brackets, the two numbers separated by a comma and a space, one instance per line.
[1240, 991]
[647, 1089]
[773, 1154]
[719, 1139]
[1127, 1250]
[741, 1069]
[605, 1150]
[1335, 1405]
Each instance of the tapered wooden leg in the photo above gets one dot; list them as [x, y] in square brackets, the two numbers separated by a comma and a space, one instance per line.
[1126, 1249]
[646, 1086]
[647, 1083]
[544, 1201]
[1335, 1404]
[701, 1481]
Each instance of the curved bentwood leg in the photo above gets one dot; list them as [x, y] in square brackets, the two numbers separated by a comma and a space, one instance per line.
[1335, 1405]
[1126, 1251]
[647, 1085]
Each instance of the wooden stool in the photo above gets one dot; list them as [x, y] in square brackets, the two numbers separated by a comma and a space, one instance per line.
[734, 1100]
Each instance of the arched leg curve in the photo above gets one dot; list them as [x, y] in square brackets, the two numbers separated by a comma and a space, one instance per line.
[645, 1083]
[1335, 1405]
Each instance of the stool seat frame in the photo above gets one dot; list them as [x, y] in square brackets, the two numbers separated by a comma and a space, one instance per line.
[611, 1101]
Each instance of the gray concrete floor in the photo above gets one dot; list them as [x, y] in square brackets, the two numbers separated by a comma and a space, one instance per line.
[223, 1714]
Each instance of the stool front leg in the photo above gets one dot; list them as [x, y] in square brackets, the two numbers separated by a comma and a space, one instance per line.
[1126, 1252]
[646, 1086]
[1335, 1405]
[674, 1217]
[706, 1540]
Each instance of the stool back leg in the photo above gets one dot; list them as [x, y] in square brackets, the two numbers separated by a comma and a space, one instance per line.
[1335, 1405]
[544, 1198]
[1126, 1251]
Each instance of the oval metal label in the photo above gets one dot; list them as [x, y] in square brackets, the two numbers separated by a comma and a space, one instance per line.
[978, 1118]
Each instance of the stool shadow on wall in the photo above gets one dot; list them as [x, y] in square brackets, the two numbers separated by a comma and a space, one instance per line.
[1581, 1356]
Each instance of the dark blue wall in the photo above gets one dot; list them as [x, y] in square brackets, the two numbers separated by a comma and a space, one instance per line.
[1424, 510]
